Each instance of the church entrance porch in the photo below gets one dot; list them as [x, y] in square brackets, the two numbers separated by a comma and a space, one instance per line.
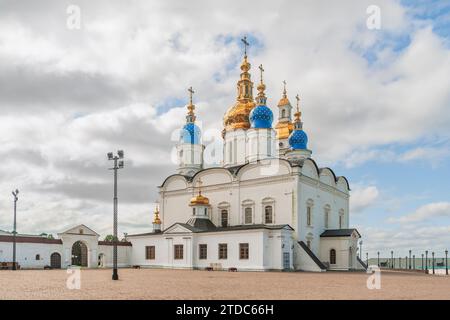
[79, 254]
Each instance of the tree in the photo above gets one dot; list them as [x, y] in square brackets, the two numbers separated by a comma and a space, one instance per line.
[110, 238]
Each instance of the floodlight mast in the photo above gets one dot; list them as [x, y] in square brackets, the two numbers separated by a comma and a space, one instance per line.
[117, 165]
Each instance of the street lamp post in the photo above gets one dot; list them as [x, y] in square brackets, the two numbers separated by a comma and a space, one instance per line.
[392, 260]
[409, 259]
[446, 262]
[414, 261]
[360, 249]
[399, 262]
[422, 261]
[367, 259]
[432, 254]
[16, 197]
[378, 254]
[118, 164]
[426, 261]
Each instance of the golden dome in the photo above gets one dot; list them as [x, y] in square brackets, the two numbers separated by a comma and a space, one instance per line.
[199, 199]
[237, 116]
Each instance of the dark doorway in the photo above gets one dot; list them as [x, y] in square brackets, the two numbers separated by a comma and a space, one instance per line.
[55, 260]
[79, 254]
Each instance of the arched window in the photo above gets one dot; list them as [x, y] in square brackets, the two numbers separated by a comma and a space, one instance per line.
[248, 215]
[193, 211]
[327, 216]
[332, 256]
[309, 213]
[308, 216]
[341, 219]
[268, 214]
[38, 257]
[224, 218]
[283, 113]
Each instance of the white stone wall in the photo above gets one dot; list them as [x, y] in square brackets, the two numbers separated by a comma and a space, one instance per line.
[288, 188]
[189, 157]
[123, 256]
[235, 147]
[343, 259]
[26, 253]
[265, 249]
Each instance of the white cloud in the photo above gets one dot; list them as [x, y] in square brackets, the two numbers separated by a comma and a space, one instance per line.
[362, 198]
[425, 212]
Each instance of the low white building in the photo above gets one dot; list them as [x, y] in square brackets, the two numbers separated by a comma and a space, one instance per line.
[77, 246]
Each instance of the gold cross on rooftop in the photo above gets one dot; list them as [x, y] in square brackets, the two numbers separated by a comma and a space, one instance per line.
[261, 69]
[246, 44]
[191, 92]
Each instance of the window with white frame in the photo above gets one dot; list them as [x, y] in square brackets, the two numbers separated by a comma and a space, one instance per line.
[248, 210]
[268, 214]
[224, 218]
[268, 211]
[341, 219]
[309, 213]
[327, 216]
[248, 215]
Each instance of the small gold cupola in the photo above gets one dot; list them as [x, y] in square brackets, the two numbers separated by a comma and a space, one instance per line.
[156, 220]
[284, 127]
[199, 199]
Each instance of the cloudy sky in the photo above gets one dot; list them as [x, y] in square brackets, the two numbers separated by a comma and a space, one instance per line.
[376, 103]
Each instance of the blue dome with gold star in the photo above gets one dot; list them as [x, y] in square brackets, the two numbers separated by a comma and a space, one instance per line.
[298, 140]
[190, 133]
[261, 117]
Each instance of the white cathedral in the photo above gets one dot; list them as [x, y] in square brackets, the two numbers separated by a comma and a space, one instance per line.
[268, 206]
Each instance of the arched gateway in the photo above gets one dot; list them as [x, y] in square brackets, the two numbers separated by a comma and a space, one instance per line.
[79, 254]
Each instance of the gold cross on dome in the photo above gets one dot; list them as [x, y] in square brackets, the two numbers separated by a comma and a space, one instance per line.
[246, 44]
[191, 92]
[298, 101]
[284, 85]
[261, 69]
[199, 183]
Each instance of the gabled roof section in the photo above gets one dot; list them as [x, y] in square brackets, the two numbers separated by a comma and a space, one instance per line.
[178, 228]
[76, 230]
[340, 233]
[199, 227]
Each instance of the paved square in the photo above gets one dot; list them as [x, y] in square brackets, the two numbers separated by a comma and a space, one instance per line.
[187, 284]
